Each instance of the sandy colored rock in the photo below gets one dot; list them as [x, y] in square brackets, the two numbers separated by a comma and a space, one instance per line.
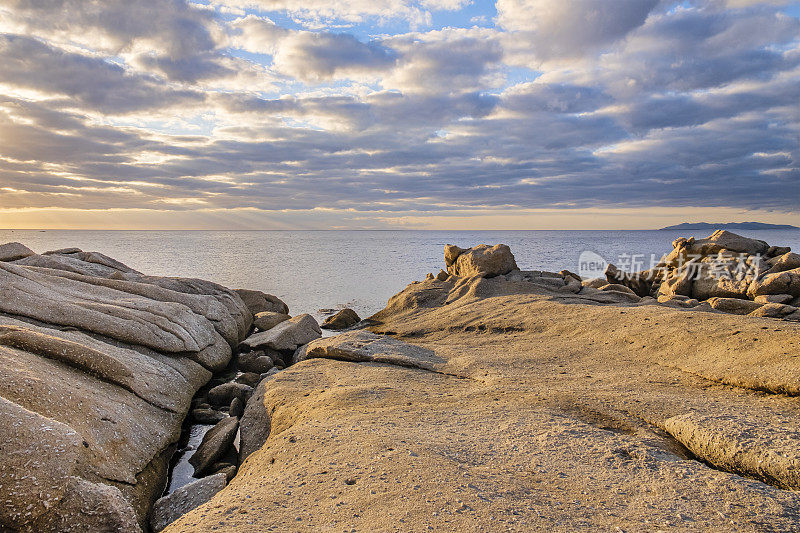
[737, 306]
[266, 320]
[542, 410]
[773, 310]
[11, 251]
[726, 240]
[287, 335]
[171, 507]
[343, 319]
[774, 298]
[482, 260]
[787, 282]
[787, 261]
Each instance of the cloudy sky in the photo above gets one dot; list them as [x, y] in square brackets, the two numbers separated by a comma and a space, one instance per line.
[451, 114]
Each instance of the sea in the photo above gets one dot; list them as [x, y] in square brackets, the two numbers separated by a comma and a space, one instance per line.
[313, 271]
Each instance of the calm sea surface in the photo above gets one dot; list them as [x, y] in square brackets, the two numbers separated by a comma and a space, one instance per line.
[311, 270]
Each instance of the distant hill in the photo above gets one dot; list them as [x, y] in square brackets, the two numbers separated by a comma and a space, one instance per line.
[729, 226]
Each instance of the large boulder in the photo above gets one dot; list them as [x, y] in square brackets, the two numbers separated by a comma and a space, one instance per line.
[482, 260]
[725, 240]
[172, 506]
[286, 336]
[343, 319]
[259, 302]
[736, 306]
[782, 263]
[11, 251]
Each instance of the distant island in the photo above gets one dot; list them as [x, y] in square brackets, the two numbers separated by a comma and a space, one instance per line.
[729, 225]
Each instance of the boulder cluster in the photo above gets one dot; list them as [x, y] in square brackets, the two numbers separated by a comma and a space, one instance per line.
[725, 272]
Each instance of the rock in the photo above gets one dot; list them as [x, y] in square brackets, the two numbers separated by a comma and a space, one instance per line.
[429, 276]
[594, 283]
[787, 261]
[451, 253]
[255, 362]
[725, 240]
[227, 469]
[237, 408]
[11, 251]
[215, 444]
[285, 336]
[617, 288]
[640, 283]
[222, 395]
[775, 251]
[736, 306]
[442, 275]
[63, 251]
[259, 302]
[343, 319]
[207, 416]
[773, 310]
[364, 346]
[266, 320]
[774, 298]
[171, 507]
[482, 260]
[677, 283]
[787, 282]
[250, 379]
[255, 424]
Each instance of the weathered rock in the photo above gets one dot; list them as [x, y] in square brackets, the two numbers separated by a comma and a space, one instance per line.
[255, 425]
[250, 379]
[616, 287]
[266, 320]
[227, 469]
[775, 251]
[255, 362]
[285, 336]
[63, 251]
[171, 507]
[207, 416]
[640, 283]
[222, 395]
[429, 276]
[442, 275]
[215, 444]
[787, 282]
[482, 260]
[774, 298]
[11, 251]
[343, 319]
[787, 261]
[594, 283]
[236, 408]
[736, 306]
[773, 310]
[451, 253]
[725, 240]
[259, 302]
[677, 283]
[364, 346]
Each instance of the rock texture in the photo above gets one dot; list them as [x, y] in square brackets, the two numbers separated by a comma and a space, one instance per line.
[98, 367]
[169, 508]
[482, 260]
[286, 336]
[343, 319]
[515, 403]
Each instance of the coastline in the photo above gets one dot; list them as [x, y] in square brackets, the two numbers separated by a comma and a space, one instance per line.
[482, 397]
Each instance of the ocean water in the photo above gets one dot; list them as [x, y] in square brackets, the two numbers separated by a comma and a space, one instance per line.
[312, 270]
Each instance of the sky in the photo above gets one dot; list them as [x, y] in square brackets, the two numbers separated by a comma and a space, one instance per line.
[398, 114]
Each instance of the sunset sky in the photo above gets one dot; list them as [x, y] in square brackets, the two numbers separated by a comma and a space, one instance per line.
[430, 114]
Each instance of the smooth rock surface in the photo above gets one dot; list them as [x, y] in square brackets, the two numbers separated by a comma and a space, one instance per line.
[482, 260]
[171, 507]
[215, 444]
[266, 320]
[342, 320]
[11, 251]
[287, 335]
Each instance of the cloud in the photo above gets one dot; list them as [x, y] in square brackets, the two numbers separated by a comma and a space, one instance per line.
[570, 28]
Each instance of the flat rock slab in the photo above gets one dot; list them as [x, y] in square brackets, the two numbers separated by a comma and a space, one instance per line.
[770, 452]
[171, 507]
[364, 346]
[287, 335]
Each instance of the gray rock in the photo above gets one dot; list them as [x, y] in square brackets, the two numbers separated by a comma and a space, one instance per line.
[285, 336]
[171, 507]
[250, 379]
[237, 408]
[223, 395]
[227, 469]
[255, 424]
[259, 302]
[256, 362]
[266, 320]
[725, 240]
[11, 251]
[215, 444]
[207, 416]
[341, 320]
